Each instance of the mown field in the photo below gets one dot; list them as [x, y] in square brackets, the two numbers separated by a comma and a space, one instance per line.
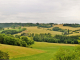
[49, 51]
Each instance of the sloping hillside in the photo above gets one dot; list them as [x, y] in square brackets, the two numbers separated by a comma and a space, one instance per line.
[16, 51]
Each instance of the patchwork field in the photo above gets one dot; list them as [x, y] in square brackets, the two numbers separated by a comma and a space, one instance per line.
[36, 30]
[49, 48]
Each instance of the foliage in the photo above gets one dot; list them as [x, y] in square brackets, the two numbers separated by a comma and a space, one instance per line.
[45, 25]
[23, 41]
[19, 27]
[1, 28]
[13, 31]
[45, 38]
[72, 25]
[67, 39]
[66, 54]
[24, 34]
[13, 25]
[23, 29]
[56, 39]
[18, 36]
[28, 40]
[9, 31]
[58, 29]
[4, 55]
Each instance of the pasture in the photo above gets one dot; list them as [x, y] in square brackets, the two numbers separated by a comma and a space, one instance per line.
[36, 30]
[16, 51]
[49, 48]
[66, 27]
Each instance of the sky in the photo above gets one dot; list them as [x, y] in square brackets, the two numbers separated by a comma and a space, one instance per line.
[41, 11]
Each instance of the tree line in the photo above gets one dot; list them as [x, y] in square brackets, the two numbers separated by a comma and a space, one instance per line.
[58, 29]
[72, 25]
[56, 39]
[47, 37]
[24, 24]
[11, 40]
[13, 31]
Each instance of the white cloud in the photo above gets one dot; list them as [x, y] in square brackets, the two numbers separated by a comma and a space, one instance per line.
[56, 11]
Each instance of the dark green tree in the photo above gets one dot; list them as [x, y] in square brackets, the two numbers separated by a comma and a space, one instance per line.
[68, 31]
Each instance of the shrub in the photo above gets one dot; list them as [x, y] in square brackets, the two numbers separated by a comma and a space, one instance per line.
[66, 54]
[12, 41]
[13, 31]
[28, 40]
[58, 29]
[4, 55]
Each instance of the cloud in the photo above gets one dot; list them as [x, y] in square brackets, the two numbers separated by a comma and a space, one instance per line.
[43, 11]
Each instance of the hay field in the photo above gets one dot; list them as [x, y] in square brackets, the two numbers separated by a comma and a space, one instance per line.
[74, 34]
[66, 27]
[40, 30]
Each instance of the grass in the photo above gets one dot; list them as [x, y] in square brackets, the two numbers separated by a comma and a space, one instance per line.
[9, 29]
[67, 27]
[36, 30]
[16, 51]
[70, 28]
[74, 34]
[49, 48]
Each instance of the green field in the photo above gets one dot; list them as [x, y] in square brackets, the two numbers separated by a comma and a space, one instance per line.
[16, 51]
[49, 48]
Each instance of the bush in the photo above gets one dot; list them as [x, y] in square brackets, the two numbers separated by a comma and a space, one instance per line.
[66, 54]
[4, 55]
[28, 40]
[4, 39]
[13, 31]
[44, 26]
[58, 29]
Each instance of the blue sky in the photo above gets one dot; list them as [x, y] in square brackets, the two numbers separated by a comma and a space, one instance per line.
[42, 11]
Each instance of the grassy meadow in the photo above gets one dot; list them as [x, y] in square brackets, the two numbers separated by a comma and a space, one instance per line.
[49, 51]
[16, 51]
[36, 30]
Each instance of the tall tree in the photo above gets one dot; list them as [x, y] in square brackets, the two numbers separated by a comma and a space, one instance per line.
[68, 31]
